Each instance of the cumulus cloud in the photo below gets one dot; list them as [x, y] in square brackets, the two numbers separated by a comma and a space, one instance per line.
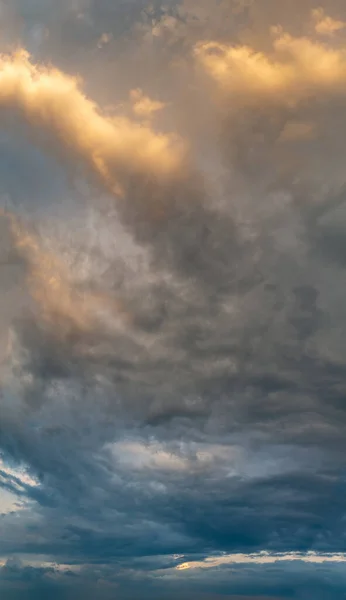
[113, 148]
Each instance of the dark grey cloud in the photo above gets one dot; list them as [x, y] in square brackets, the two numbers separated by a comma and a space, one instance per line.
[260, 582]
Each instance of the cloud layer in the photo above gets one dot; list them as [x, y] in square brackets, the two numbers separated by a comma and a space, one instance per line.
[172, 300]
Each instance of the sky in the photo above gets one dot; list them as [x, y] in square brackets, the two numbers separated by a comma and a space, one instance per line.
[172, 299]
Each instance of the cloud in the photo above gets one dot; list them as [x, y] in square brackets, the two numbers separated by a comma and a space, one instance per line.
[52, 101]
[52, 287]
[297, 68]
[325, 25]
[297, 131]
[261, 558]
[172, 398]
[143, 106]
[8, 502]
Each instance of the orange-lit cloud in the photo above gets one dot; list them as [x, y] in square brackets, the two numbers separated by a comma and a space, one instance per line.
[113, 147]
[143, 106]
[325, 25]
[295, 68]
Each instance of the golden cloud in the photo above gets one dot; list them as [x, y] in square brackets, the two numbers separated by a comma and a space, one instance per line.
[114, 147]
[143, 106]
[295, 68]
[325, 25]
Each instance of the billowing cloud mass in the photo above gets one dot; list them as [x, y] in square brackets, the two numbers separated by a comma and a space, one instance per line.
[172, 307]
[51, 100]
